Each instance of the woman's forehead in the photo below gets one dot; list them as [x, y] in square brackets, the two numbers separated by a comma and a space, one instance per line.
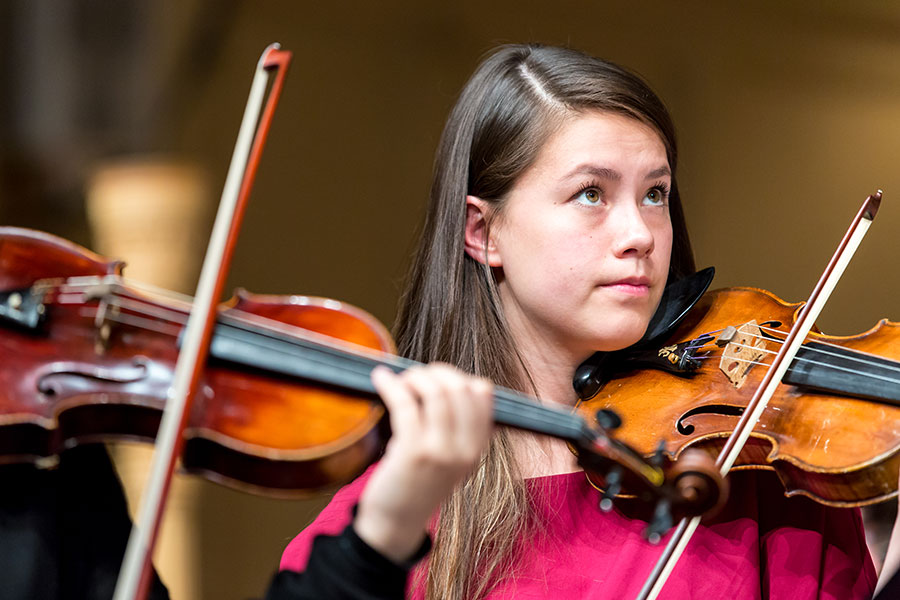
[599, 139]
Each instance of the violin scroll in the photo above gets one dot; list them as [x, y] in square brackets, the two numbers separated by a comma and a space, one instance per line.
[698, 483]
[692, 486]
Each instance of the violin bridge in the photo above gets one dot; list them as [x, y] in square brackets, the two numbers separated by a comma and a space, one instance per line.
[744, 347]
[103, 326]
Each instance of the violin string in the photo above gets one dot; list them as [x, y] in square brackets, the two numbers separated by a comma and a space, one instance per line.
[161, 322]
[164, 314]
[842, 349]
[125, 285]
[851, 371]
[298, 335]
[266, 326]
[800, 359]
[86, 284]
[185, 299]
[142, 323]
[161, 314]
[512, 406]
[123, 298]
[751, 362]
[859, 357]
[178, 320]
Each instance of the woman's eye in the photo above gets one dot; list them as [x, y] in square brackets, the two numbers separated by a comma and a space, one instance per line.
[590, 196]
[656, 196]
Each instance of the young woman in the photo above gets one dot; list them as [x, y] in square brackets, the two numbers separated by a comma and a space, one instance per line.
[553, 227]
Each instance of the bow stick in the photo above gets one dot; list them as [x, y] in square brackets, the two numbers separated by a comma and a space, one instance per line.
[134, 577]
[807, 317]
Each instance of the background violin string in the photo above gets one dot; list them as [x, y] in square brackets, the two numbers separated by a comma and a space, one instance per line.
[117, 121]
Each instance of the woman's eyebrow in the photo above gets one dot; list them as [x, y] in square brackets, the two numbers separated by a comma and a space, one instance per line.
[612, 174]
[588, 169]
[660, 172]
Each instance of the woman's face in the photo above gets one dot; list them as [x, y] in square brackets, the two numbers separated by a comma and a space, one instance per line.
[584, 238]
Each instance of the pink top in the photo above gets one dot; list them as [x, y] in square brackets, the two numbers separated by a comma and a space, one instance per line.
[787, 549]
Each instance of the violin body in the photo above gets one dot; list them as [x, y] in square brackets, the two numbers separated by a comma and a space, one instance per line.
[100, 365]
[832, 435]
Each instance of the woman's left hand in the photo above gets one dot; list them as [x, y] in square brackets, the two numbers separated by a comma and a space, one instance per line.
[441, 422]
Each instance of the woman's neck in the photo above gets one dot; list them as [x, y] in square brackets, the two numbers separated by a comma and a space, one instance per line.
[551, 373]
[540, 456]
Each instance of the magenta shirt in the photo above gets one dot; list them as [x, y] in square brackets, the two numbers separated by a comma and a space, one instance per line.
[762, 545]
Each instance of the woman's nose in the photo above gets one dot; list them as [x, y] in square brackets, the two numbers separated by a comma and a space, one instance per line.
[633, 235]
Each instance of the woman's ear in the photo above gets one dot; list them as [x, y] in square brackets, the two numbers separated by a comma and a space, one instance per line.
[479, 243]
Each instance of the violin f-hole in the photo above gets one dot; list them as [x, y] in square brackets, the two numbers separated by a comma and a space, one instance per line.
[726, 410]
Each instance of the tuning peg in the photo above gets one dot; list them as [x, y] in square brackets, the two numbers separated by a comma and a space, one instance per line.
[612, 488]
[660, 523]
[656, 459]
[607, 419]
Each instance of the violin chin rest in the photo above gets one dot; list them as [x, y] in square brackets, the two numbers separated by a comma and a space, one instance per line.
[677, 300]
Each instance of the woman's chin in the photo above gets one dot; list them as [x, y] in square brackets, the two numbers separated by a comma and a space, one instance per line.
[622, 336]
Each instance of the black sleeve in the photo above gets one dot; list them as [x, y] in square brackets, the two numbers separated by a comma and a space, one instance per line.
[63, 531]
[344, 567]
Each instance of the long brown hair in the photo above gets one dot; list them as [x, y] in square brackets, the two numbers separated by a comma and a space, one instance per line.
[450, 310]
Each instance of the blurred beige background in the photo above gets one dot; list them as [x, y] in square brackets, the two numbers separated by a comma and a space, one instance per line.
[788, 114]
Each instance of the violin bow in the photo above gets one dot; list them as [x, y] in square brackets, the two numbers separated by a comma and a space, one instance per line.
[134, 577]
[807, 317]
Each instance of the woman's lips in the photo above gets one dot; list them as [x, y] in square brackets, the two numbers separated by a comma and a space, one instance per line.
[632, 287]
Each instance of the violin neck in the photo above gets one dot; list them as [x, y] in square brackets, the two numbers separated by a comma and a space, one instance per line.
[839, 370]
[245, 345]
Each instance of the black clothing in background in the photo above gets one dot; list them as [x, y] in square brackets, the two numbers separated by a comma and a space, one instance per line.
[63, 531]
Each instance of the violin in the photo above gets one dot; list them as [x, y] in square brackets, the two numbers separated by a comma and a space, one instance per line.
[285, 404]
[830, 433]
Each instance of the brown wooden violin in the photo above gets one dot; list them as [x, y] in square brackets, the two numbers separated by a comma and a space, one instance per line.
[831, 432]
